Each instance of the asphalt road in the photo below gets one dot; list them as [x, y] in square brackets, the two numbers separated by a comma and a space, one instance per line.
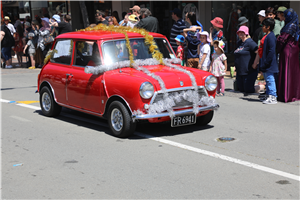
[73, 156]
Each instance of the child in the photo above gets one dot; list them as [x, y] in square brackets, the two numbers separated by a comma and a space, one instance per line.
[217, 34]
[268, 62]
[192, 45]
[204, 51]
[219, 65]
[180, 50]
[31, 50]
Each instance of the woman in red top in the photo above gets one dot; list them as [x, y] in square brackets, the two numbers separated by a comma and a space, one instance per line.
[19, 45]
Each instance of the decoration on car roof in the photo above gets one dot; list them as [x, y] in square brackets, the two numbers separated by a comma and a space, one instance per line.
[124, 30]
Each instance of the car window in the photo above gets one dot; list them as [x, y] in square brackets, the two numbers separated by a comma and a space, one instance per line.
[87, 53]
[115, 51]
[62, 52]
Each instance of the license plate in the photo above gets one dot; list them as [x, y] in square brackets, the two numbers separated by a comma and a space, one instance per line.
[183, 120]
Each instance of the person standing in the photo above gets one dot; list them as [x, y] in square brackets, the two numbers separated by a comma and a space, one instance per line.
[41, 49]
[190, 35]
[64, 26]
[244, 57]
[180, 50]
[136, 11]
[177, 28]
[258, 34]
[9, 26]
[31, 50]
[280, 15]
[271, 13]
[268, 62]
[147, 21]
[100, 17]
[219, 65]
[19, 45]
[6, 44]
[124, 21]
[288, 48]
[204, 51]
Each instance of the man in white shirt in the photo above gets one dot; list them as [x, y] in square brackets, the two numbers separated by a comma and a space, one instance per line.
[9, 25]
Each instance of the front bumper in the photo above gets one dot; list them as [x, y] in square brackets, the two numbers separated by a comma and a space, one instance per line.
[179, 112]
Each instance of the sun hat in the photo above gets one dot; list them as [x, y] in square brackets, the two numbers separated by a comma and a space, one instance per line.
[6, 18]
[27, 24]
[56, 17]
[180, 38]
[281, 9]
[262, 13]
[204, 33]
[244, 29]
[133, 18]
[218, 22]
[30, 34]
[242, 20]
[176, 11]
[45, 19]
[220, 44]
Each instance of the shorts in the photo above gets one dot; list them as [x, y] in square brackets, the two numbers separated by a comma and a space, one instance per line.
[31, 54]
[182, 62]
[205, 68]
[192, 62]
[6, 53]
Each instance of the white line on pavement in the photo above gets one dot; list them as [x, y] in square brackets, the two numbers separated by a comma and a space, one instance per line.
[220, 156]
[200, 151]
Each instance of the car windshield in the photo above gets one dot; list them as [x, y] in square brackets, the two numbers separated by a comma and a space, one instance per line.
[116, 51]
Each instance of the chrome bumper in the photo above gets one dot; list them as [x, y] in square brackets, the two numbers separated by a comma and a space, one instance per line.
[179, 112]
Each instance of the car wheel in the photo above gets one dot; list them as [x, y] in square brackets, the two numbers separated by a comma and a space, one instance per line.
[49, 107]
[119, 120]
[205, 119]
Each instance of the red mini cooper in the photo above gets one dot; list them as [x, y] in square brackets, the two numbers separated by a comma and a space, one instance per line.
[106, 74]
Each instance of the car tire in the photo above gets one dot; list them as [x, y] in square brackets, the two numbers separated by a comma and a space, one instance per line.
[119, 120]
[205, 119]
[49, 107]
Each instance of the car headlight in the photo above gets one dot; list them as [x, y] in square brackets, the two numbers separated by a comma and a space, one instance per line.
[211, 83]
[146, 90]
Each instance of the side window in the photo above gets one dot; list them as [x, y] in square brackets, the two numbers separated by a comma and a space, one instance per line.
[63, 52]
[87, 53]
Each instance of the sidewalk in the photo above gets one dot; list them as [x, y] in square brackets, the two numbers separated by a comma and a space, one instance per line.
[15, 62]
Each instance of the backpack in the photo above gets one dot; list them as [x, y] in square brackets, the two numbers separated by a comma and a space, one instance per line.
[8, 40]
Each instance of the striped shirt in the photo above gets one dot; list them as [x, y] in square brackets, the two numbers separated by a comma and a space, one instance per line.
[177, 29]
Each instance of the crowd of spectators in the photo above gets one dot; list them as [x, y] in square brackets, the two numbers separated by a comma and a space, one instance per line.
[31, 38]
[270, 54]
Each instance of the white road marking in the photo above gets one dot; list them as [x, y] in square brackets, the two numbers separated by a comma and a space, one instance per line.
[222, 157]
[29, 106]
[20, 118]
[200, 151]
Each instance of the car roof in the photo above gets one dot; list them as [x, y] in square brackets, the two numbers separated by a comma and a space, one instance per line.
[98, 34]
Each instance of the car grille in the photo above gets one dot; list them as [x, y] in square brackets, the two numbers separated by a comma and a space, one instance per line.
[158, 96]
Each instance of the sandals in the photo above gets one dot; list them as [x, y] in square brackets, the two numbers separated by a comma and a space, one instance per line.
[220, 94]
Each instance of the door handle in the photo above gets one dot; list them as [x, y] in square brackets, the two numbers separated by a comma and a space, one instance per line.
[71, 75]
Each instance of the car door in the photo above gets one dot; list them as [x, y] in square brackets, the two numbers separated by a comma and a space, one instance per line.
[58, 68]
[84, 90]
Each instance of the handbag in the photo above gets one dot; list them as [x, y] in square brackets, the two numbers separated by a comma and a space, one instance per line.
[48, 39]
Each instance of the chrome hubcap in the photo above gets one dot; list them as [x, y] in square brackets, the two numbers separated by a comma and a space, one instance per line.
[116, 119]
[46, 101]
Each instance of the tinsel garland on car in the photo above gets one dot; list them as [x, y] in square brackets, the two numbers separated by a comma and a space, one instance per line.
[169, 100]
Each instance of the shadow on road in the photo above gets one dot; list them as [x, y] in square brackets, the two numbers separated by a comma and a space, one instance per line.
[100, 124]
